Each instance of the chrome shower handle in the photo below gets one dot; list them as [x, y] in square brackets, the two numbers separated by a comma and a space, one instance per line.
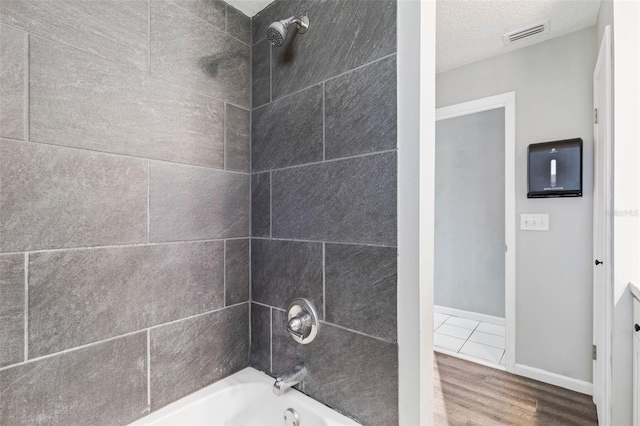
[299, 323]
[302, 321]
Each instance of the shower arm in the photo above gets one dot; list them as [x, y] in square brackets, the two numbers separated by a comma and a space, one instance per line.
[302, 25]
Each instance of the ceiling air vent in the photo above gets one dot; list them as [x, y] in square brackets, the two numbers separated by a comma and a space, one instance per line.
[524, 33]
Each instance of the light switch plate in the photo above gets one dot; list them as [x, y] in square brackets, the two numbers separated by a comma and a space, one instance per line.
[534, 222]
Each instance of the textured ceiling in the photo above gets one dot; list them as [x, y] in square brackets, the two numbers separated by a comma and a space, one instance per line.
[471, 30]
[249, 7]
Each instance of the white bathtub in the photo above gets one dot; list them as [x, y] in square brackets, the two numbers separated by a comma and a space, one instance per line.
[243, 399]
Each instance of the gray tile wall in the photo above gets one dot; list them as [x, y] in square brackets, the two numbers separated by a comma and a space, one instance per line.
[12, 298]
[188, 355]
[324, 194]
[125, 205]
[13, 50]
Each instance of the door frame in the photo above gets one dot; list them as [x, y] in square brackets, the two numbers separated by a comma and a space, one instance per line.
[508, 102]
[603, 321]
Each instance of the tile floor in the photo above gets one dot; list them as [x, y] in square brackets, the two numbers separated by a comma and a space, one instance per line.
[474, 339]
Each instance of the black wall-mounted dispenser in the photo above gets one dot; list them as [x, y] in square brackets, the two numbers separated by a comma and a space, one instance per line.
[555, 169]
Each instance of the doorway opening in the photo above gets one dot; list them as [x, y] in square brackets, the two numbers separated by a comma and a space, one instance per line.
[475, 244]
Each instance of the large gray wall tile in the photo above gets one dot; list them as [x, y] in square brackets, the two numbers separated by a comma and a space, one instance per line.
[284, 270]
[13, 60]
[239, 25]
[190, 354]
[11, 309]
[82, 296]
[288, 132]
[103, 384]
[261, 337]
[351, 200]
[54, 197]
[113, 29]
[342, 35]
[261, 74]
[193, 203]
[360, 289]
[237, 271]
[192, 53]
[136, 114]
[360, 110]
[261, 205]
[212, 11]
[352, 373]
[238, 134]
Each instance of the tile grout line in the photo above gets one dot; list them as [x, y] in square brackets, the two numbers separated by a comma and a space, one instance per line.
[317, 83]
[270, 75]
[474, 330]
[201, 93]
[332, 160]
[27, 89]
[148, 201]
[250, 156]
[381, 339]
[331, 324]
[250, 329]
[324, 241]
[469, 336]
[16, 27]
[112, 246]
[196, 315]
[324, 282]
[125, 155]
[224, 273]
[491, 334]
[224, 31]
[149, 36]
[324, 127]
[224, 136]
[149, 368]
[271, 340]
[250, 273]
[131, 68]
[268, 306]
[270, 205]
[73, 349]
[26, 306]
[127, 334]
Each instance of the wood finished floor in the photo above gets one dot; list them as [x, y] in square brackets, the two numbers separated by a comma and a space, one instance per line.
[466, 393]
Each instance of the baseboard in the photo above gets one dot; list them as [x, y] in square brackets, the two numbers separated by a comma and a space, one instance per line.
[555, 379]
[469, 315]
[469, 358]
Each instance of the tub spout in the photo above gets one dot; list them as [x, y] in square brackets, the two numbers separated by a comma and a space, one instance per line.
[291, 378]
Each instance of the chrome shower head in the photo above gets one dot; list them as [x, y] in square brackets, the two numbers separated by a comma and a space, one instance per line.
[277, 32]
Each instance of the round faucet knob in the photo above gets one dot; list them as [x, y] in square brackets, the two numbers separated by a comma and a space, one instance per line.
[295, 323]
[302, 321]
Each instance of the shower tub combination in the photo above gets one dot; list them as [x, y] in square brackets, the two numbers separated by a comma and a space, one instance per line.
[245, 399]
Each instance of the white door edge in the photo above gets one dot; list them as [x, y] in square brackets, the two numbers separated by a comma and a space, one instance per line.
[602, 321]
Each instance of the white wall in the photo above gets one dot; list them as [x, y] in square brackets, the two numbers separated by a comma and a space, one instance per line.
[626, 196]
[554, 100]
[416, 146]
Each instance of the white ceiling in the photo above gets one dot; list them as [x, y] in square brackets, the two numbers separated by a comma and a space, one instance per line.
[249, 7]
[471, 30]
